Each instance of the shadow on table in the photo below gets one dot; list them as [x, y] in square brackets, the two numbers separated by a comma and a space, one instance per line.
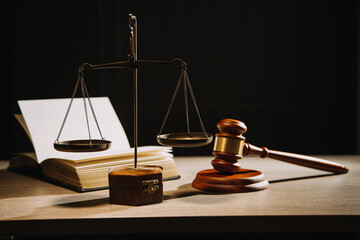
[187, 190]
[302, 178]
[85, 203]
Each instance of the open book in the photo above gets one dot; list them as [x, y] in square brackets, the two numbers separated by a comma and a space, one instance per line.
[42, 119]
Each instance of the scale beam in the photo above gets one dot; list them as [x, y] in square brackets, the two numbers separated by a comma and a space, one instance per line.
[134, 65]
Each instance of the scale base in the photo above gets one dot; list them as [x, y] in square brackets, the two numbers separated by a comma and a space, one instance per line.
[135, 186]
[245, 180]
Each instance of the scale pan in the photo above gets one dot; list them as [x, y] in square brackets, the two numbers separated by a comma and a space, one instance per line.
[85, 145]
[185, 139]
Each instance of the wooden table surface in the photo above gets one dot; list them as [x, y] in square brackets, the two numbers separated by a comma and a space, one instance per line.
[299, 199]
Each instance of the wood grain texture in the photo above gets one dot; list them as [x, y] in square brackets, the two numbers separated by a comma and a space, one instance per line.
[299, 199]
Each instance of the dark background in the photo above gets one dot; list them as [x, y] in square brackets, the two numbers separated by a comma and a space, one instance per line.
[288, 69]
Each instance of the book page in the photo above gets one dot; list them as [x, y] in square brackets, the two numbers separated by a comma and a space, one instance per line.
[128, 153]
[21, 120]
[44, 118]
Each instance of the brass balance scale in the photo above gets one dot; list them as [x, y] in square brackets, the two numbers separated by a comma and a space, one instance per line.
[181, 139]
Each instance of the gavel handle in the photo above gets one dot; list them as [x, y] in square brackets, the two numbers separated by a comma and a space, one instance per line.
[297, 159]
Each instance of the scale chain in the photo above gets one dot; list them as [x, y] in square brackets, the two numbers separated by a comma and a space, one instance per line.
[194, 101]
[187, 85]
[85, 108]
[186, 106]
[85, 94]
[68, 109]
[93, 111]
[172, 101]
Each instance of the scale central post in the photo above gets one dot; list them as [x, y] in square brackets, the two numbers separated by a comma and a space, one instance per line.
[133, 59]
[133, 64]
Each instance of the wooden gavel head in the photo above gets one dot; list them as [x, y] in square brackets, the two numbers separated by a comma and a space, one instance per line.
[229, 145]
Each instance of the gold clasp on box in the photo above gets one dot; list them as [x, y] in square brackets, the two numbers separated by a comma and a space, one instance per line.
[150, 186]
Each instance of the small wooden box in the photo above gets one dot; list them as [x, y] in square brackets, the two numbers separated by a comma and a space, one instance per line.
[135, 186]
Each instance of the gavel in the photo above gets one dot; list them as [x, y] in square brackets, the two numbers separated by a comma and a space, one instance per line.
[230, 146]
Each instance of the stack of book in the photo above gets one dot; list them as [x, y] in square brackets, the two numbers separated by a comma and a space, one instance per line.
[41, 120]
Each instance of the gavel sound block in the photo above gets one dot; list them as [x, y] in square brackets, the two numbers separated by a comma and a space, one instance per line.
[230, 146]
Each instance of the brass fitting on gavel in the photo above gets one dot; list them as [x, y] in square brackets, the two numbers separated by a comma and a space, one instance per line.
[230, 146]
